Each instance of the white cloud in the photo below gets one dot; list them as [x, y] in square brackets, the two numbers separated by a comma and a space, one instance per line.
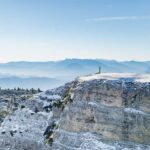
[119, 18]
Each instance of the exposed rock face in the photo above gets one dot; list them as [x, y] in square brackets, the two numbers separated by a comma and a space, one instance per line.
[108, 112]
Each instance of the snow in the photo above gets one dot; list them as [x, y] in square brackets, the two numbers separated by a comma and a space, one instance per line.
[27, 124]
[143, 78]
[134, 111]
[90, 141]
[45, 103]
[44, 95]
[117, 76]
[27, 110]
[72, 95]
[92, 103]
[48, 115]
[47, 96]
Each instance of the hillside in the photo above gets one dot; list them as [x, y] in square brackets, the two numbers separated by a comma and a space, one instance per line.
[103, 111]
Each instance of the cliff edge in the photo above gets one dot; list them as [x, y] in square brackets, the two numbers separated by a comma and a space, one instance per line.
[101, 111]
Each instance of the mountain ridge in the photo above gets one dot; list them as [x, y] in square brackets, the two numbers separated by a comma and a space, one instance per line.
[68, 69]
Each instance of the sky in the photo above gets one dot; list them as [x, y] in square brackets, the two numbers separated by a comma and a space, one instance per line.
[44, 30]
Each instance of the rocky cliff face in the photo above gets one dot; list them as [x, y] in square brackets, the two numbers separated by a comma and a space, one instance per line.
[108, 112]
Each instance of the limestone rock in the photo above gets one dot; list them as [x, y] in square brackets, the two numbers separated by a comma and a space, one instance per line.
[98, 112]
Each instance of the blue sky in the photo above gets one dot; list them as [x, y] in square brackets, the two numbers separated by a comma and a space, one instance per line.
[42, 30]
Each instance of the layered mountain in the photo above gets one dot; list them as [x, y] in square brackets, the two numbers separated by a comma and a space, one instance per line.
[73, 67]
[100, 111]
[148, 70]
[54, 73]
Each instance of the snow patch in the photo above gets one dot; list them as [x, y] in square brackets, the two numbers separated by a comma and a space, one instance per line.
[92, 103]
[44, 95]
[72, 95]
[134, 111]
[117, 76]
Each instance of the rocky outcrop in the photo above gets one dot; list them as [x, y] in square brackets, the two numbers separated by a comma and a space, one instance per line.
[11, 99]
[26, 127]
[108, 112]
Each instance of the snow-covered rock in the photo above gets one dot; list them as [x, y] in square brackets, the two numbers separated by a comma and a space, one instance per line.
[118, 76]
[98, 112]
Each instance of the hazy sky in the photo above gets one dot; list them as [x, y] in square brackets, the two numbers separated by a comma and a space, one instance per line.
[41, 30]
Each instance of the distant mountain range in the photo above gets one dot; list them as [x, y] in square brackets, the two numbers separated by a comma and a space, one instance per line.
[148, 70]
[27, 83]
[53, 73]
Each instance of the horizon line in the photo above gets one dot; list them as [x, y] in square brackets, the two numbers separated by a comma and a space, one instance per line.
[57, 60]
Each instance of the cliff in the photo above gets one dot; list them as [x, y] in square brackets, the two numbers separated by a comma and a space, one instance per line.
[103, 111]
